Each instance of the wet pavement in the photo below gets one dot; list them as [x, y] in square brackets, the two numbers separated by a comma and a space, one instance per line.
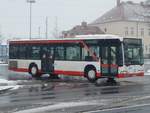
[20, 93]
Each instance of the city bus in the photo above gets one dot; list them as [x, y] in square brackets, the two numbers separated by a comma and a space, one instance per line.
[90, 56]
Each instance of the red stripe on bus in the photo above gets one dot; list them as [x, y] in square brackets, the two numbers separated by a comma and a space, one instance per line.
[73, 73]
[130, 75]
[78, 73]
[109, 65]
[19, 69]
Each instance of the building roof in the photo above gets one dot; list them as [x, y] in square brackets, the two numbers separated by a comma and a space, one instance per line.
[127, 11]
[83, 29]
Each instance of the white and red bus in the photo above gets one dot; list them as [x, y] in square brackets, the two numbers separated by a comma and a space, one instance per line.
[91, 56]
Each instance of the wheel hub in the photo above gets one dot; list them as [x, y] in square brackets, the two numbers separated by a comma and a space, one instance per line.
[91, 74]
[33, 70]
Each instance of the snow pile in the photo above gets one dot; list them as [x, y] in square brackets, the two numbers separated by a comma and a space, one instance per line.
[1, 62]
[6, 84]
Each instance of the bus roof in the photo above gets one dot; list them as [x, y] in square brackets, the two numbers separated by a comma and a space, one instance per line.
[78, 37]
[69, 39]
[88, 37]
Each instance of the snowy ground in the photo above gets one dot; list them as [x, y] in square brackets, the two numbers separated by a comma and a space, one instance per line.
[7, 84]
[19, 93]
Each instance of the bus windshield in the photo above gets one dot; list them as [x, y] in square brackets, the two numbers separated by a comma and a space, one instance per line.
[133, 51]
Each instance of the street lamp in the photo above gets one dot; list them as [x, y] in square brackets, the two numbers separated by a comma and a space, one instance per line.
[31, 2]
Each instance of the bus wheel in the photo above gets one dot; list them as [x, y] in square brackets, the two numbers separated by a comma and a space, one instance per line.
[91, 74]
[33, 70]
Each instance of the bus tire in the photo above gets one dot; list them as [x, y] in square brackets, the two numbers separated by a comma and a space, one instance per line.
[90, 73]
[34, 71]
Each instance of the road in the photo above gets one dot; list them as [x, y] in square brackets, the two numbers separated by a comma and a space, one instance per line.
[19, 93]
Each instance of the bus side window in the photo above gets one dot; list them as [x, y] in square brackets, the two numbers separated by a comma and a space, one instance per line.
[13, 51]
[60, 53]
[22, 52]
[86, 56]
[73, 53]
[35, 52]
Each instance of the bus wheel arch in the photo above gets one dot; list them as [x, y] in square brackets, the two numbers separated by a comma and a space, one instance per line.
[90, 73]
[33, 70]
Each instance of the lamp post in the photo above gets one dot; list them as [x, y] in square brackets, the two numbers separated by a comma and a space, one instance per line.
[31, 2]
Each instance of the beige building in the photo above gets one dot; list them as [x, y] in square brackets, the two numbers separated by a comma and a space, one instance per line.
[129, 20]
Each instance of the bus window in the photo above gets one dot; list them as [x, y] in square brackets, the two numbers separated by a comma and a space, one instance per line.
[59, 53]
[46, 49]
[86, 56]
[22, 52]
[133, 51]
[119, 56]
[35, 52]
[73, 53]
[132, 55]
[13, 52]
[105, 55]
[95, 50]
[113, 55]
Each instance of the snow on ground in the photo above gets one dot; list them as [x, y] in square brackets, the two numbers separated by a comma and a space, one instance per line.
[62, 105]
[6, 84]
[2, 63]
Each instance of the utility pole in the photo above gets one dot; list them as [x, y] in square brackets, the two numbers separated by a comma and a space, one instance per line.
[39, 31]
[56, 27]
[46, 28]
[31, 2]
[137, 29]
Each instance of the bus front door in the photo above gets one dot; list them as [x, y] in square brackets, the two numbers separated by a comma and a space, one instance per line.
[47, 63]
[109, 67]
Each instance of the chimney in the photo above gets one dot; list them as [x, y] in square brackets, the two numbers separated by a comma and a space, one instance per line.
[84, 24]
[118, 2]
[142, 3]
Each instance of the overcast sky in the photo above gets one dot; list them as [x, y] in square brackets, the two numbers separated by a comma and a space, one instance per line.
[14, 15]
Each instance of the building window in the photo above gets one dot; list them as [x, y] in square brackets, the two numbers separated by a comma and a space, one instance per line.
[142, 31]
[126, 31]
[132, 31]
